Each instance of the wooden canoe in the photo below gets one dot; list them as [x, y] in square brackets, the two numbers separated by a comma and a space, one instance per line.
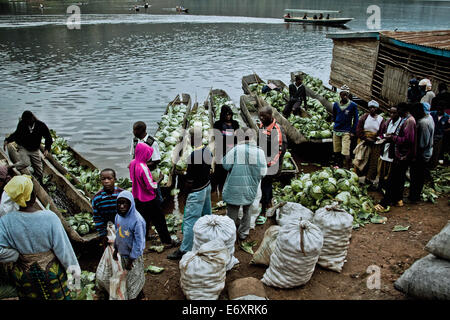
[63, 185]
[67, 196]
[248, 80]
[185, 99]
[4, 160]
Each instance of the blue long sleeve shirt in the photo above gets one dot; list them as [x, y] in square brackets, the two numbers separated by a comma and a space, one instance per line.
[345, 120]
[36, 232]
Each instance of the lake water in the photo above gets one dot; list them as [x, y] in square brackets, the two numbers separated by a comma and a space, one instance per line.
[92, 84]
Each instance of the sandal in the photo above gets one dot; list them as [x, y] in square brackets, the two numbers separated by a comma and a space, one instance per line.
[261, 220]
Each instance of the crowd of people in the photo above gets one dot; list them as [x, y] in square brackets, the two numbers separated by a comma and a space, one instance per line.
[245, 164]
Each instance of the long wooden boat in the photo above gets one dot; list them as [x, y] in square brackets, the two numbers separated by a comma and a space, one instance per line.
[185, 99]
[327, 21]
[258, 102]
[314, 95]
[69, 196]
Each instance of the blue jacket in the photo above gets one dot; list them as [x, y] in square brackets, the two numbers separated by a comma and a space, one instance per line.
[345, 120]
[130, 231]
[246, 164]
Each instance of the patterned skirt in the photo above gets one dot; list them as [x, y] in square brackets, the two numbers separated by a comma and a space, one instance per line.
[40, 277]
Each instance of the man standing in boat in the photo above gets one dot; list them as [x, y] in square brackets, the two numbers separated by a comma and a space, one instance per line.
[297, 95]
[28, 136]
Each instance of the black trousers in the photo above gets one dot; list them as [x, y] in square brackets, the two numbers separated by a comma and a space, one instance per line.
[396, 184]
[418, 171]
[292, 104]
[219, 177]
[266, 191]
[152, 214]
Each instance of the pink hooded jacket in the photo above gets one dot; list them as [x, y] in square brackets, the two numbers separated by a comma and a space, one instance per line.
[144, 188]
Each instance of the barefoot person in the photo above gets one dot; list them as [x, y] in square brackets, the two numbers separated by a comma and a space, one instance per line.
[28, 136]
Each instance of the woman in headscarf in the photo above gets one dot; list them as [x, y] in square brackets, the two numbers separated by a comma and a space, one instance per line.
[367, 130]
[130, 243]
[45, 252]
[6, 203]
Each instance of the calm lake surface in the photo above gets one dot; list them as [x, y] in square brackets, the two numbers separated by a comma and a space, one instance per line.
[92, 84]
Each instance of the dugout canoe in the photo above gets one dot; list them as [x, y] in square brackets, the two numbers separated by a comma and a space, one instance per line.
[66, 199]
[185, 99]
[47, 200]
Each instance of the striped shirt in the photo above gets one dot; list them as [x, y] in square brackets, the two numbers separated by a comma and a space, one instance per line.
[105, 208]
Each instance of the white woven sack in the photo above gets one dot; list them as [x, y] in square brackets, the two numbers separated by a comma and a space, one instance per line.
[104, 268]
[336, 225]
[212, 227]
[203, 271]
[292, 210]
[265, 250]
[296, 253]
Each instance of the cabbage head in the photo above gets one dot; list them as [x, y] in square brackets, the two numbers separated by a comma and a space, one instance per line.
[344, 197]
[296, 185]
[316, 192]
[343, 185]
[329, 186]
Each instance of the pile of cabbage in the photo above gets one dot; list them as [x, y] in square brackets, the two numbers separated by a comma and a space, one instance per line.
[89, 180]
[275, 98]
[331, 184]
[83, 223]
[87, 286]
[197, 118]
[316, 85]
[288, 162]
[221, 101]
[316, 127]
[169, 134]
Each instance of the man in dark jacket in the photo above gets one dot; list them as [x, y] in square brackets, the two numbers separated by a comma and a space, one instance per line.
[297, 95]
[28, 136]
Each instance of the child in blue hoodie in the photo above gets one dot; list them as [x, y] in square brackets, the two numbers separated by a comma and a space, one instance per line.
[130, 242]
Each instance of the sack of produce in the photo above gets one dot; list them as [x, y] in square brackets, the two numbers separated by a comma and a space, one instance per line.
[265, 250]
[212, 227]
[336, 225]
[439, 245]
[246, 289]
[104, 270]
[292, 210]
[295, 256]
[203, 271]
[427, 278]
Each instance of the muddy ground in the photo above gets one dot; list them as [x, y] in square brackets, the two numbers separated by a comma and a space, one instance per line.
[374, 244]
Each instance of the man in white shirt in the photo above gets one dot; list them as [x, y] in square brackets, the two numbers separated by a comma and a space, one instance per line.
[141, 135]
[387, 151]
[425, 87]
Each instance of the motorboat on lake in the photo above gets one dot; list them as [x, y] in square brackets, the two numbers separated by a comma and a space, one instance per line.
[319, 17]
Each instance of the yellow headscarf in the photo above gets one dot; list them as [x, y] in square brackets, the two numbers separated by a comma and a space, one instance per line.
[19, 189]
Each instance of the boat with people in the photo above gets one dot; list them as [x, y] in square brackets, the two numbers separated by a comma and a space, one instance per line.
[319, 17]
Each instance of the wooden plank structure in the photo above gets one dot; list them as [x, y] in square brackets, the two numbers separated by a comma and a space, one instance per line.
[379, 65]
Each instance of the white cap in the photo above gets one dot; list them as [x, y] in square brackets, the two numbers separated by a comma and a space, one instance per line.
[345, 88]
[373, 103]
